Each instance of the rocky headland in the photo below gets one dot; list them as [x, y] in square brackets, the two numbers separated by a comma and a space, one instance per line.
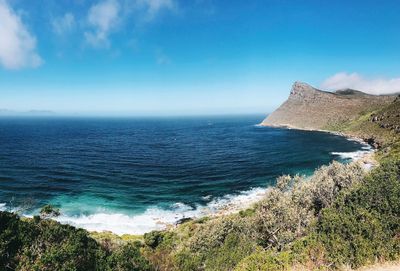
[313, 109]
[371, 118]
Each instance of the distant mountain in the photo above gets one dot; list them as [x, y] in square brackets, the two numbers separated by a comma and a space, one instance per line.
[349, 91]
[7, 112]
[40, 112]
[314, 109]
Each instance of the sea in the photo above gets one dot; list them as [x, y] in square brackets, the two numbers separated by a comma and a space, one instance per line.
[131, 175]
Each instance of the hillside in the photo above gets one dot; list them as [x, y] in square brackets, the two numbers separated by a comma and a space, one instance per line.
[310, 108]
[380, 127]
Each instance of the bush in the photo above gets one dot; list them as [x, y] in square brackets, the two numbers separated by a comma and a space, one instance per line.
[37, 244]
[213, 233]
[293, 205]
[59, 247]
[309, 253]
[153, 239]
[364, 224]
[266, 261]
[285, 215]
[156, 238]
[160, 249]
[230, 253]
[186, 260]
[217, 244]
[48, 211]
[14, 234]
[128, 257]
[222, 257]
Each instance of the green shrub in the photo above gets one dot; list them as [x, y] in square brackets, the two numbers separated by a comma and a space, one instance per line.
[293, 205]
[230, 253]
[128, 257]
[14, 234]
[48, 211]
[285, 215]
[247, 213]
[266, 261]
[59, 248]
[364, 224]
[202, 220]
[187, 260]
[309, 253]
[43, 244]
[155, 238]
[222, 257]
[212, 234]
[160, 246]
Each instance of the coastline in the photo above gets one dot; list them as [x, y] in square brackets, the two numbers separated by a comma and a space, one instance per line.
[367, 159]
[160, 219]
[233, 204]
[291, 127]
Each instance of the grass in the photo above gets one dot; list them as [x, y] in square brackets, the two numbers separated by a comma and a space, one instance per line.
[107, 236]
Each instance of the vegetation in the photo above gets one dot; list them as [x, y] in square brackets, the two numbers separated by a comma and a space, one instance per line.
[43, 244]
[364, 224]
[48, 211]
[379, 127]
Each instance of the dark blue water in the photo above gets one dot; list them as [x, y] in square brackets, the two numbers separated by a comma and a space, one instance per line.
[148, 168]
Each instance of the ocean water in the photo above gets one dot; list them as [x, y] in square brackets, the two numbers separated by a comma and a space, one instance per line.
[133, 175]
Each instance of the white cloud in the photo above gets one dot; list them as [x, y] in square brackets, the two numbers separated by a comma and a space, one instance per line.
[153, 7]
[17, 45]
[103, 18]
[63, 24]
[355, 81]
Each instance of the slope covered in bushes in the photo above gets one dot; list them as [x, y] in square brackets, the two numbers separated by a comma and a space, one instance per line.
[43, 244]
[321, 222]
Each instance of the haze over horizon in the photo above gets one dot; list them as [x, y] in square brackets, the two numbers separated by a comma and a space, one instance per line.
[174, 57]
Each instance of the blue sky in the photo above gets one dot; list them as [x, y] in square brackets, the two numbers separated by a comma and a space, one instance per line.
[190, 57]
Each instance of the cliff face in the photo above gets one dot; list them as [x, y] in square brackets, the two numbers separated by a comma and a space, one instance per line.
[310, 108]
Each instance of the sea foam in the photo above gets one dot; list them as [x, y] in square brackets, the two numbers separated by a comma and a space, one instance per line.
[156, 218]
[351, 155]
[356, 155]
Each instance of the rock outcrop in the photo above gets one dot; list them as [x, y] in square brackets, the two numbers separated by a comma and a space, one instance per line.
[311, 108]
[389, 117]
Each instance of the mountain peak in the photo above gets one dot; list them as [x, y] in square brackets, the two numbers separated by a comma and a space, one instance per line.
[301, 85]
[301, 91]
[310, 108]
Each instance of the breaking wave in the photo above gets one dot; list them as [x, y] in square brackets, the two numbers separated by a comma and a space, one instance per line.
[355, 155]
[156, 218]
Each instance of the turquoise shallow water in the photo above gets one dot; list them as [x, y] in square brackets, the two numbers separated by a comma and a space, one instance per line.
[131, 175]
